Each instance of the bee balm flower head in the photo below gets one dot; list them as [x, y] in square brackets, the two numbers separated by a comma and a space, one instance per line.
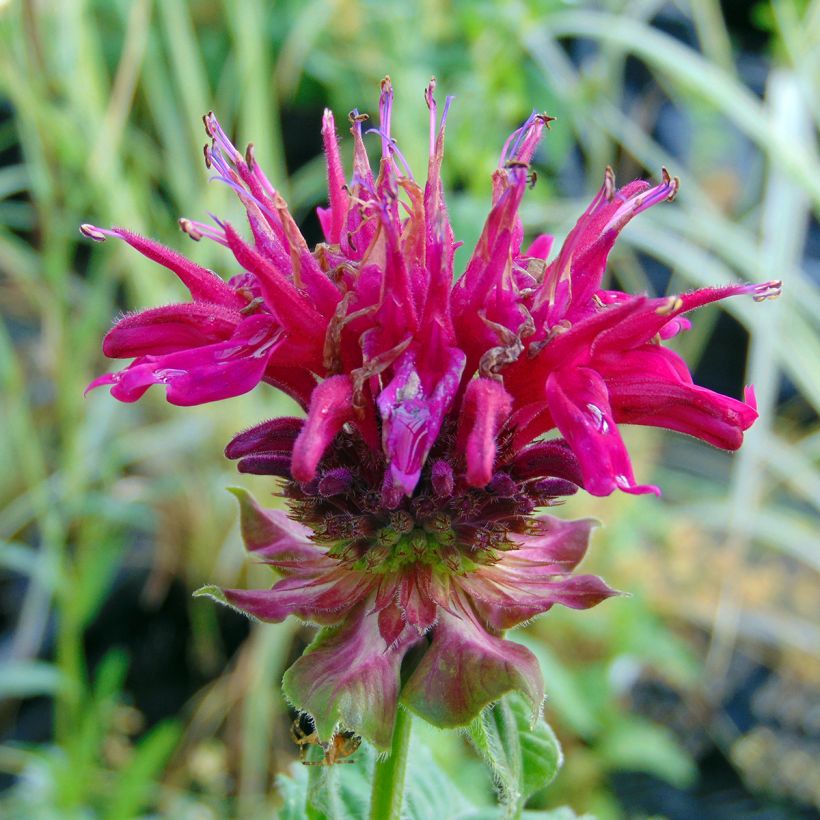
[413, 480]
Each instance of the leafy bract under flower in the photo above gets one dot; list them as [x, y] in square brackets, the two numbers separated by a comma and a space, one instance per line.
[422, 456]
[428, 580]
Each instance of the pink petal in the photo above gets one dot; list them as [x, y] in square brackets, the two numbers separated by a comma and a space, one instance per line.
[558, 545]
[331, 406]
[203, 374]
[167, 329]
[579, 403]
[204, 285]
[337, 192]
[504, 601]
[276, 435]
[485, 408]
[412, 416]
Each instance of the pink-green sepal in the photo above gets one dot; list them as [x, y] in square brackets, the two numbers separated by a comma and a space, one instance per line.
[348, 678]
[271, 536]
[465, 669]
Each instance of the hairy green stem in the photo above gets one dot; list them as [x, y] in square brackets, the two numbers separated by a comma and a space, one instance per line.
[312, 811]
[388, 776]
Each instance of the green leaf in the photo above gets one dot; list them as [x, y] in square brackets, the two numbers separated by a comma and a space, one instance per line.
[524, 757]
[634, 744]
[430, 792]
[136, 781]
[336, 793]
[343, 791]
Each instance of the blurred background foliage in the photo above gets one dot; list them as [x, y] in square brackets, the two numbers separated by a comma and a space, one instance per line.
[699, 695]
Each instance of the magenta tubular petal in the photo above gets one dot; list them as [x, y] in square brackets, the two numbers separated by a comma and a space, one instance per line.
[276, 435]
[203, 374]
[169, 329]
[686, 408]
[442, 478]
[336, 482]
[412, 418]
[547, 458]
[485, 408]
[273, 464]
[203, 284]
[349, 677]
[579, 403]
[540, 247]
[331, 406]
[293, 310]
[337, 191]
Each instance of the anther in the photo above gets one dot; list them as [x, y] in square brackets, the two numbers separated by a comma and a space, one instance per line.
[207, 120]
[672, 182]
[92, 232]
[429, 91]
[609, 183]
[187, 227]
[671, 305]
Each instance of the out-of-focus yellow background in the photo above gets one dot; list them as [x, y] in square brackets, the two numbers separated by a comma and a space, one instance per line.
[120, 695]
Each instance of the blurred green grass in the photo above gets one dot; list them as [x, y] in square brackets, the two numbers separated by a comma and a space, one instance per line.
[99, 122]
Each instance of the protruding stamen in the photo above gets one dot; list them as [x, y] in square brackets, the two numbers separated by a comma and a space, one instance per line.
[391, 149]
[768, 290]
[430, 99]
[385, 108]
[633, 205]
[196, 230]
